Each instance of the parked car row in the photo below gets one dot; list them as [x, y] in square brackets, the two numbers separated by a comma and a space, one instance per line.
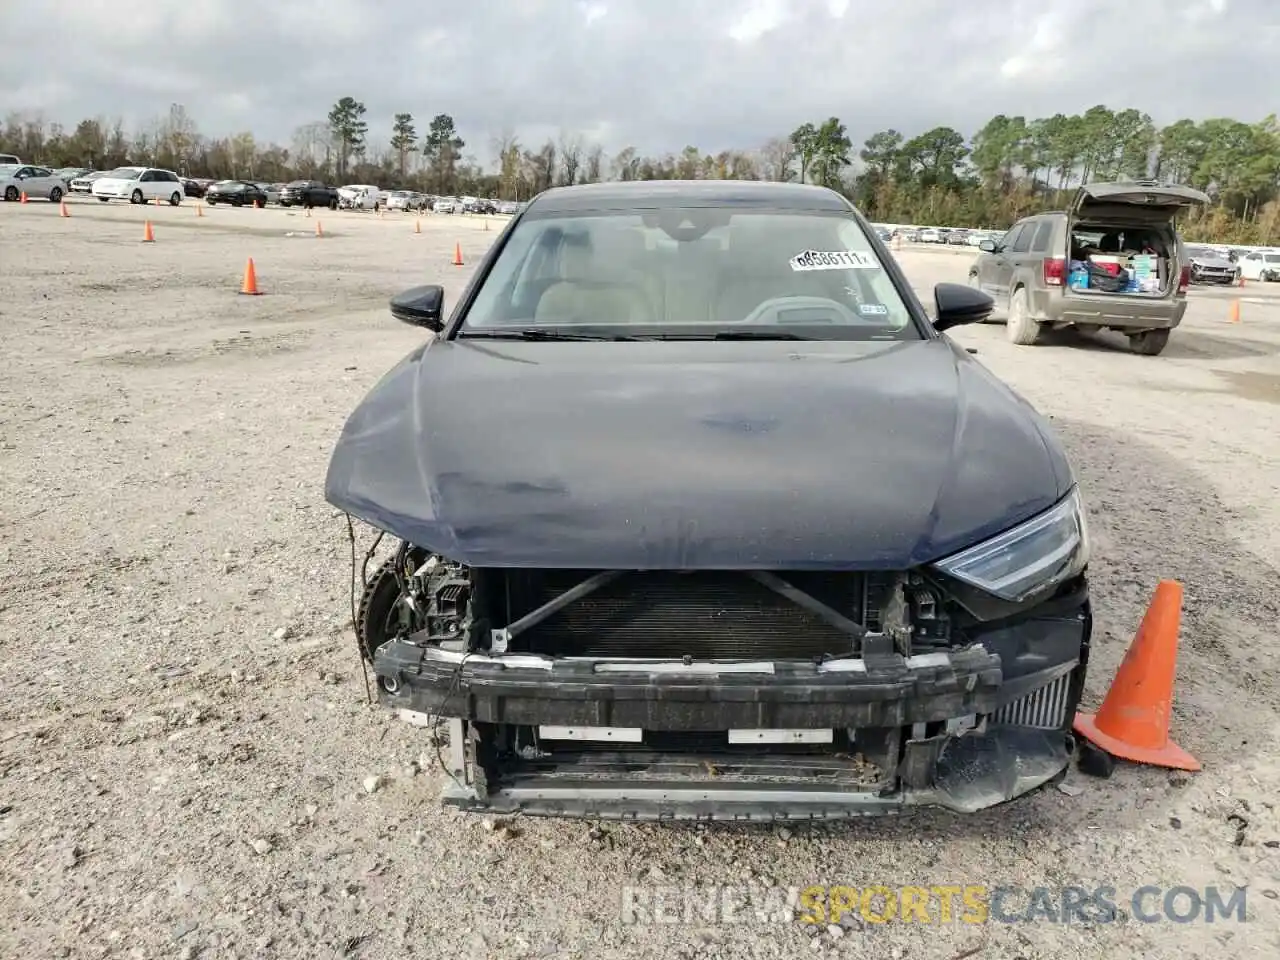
[140, 184]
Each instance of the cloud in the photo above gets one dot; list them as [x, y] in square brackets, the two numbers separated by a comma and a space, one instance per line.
[656, 74]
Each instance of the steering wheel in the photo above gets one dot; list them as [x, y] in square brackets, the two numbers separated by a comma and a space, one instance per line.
[778, 304]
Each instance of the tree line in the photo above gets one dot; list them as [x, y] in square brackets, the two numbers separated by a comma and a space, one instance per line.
[1013, 166]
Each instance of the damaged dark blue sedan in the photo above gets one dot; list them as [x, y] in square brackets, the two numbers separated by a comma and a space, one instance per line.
[700, 516]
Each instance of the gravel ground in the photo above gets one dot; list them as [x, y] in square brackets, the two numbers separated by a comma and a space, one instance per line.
[186, 751]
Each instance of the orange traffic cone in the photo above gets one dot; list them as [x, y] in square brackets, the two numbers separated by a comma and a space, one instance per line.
[249, 287]
[417, 226]
[199, 209]
[62, 209]
[319, 229]
[159, 203]
[147, 235]
[1133, 722]
[457, 254]
[1233, 316]
[24, 197]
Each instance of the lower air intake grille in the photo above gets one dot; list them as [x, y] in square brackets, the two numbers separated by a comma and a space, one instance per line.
[700, 614]
[1045, 709]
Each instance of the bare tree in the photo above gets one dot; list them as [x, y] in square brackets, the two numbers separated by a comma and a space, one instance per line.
[777, 157]
[312, 147]
[594, 171]
[626, 165]
[570, 159]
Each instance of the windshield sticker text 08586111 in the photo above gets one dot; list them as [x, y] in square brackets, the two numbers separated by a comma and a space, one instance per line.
[834, 260]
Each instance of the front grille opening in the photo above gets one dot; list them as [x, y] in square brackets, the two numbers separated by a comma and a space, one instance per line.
[690, 757]
[698, 614]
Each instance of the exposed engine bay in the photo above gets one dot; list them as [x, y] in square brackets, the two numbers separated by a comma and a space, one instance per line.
[724, 693]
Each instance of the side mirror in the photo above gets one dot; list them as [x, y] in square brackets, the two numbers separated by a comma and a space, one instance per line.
[958, 304]
[420, 306]
[987, 246]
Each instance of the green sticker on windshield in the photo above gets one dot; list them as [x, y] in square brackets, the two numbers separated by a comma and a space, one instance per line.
[834, 260]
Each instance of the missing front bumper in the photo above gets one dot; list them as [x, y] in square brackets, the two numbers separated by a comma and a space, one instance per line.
[962, 730]
[966, 774]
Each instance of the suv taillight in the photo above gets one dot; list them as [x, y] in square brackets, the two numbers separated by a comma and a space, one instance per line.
[1184, 278]
[1055, 269]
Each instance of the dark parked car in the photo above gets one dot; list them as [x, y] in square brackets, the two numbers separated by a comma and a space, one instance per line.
[193, 188]
[309, 193]
[237, 193]
[726, 526]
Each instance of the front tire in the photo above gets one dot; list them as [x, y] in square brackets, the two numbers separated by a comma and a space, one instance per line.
[103, 199]
[175, 199]
[1149, 343]
[137, 197]
[55, 195]
[11, 194]
[333, 204]
[1020, 327]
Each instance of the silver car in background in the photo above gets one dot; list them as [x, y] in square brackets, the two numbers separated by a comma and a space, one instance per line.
[1210, 266]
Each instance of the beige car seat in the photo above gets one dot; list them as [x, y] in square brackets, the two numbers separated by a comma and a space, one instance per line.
[598, 286]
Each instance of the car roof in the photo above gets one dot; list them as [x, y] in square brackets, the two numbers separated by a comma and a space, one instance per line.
[642, 194]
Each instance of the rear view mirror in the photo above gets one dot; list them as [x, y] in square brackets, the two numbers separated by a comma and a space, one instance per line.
[958, 304]
[987, 246]
[420, 306]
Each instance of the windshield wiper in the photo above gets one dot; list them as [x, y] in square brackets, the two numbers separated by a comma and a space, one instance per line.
[532, 333]
[756, 334]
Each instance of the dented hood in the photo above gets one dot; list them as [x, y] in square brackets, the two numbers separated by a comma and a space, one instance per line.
[723, 455]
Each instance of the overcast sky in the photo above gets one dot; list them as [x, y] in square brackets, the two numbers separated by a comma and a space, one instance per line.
[658, 74]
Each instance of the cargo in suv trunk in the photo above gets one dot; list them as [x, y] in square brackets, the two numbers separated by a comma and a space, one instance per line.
[1122, 242]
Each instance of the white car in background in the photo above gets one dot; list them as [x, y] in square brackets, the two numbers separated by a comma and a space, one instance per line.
[443, 205]
[139, 185]
[35, 182]
[405, 200]
[84, 182]
[359, 196]
[1262, 265]
[930, 235]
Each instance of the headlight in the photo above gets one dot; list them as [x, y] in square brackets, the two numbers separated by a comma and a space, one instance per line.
[1032, 557]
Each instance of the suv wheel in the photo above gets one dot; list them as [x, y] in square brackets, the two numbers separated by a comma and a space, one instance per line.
[1149, 343]
[1021, 328]
[137, 197]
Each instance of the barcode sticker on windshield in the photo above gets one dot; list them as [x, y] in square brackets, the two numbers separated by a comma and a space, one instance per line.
[834, 260]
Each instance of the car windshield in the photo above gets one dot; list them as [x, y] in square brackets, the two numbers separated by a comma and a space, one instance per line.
[125, 173]
[1201, 252]
[695, 272]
